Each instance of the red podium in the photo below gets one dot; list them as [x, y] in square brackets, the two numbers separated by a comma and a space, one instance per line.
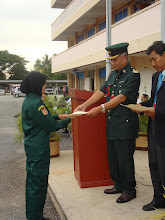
[89, 145]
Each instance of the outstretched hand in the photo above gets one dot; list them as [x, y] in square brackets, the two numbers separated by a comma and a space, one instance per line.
[94, 111]
[64, 116]
[81, 107]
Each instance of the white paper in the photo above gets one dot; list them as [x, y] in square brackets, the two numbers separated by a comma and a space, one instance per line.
[136, 107]
[79, 113]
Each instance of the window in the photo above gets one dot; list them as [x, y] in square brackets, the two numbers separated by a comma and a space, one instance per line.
[91, 73]
[81, 84]
[102, 80]
[121, 14]
[80, 38]
[81, 80]
[102, 75]
[102, 25]
[91, 32]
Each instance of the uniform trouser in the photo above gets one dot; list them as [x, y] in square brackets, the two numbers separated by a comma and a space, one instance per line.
[36, 190]
[121, 164]
[156, 156]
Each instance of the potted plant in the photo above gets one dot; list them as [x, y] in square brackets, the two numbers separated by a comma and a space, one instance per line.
[55, 107]
[141, 141]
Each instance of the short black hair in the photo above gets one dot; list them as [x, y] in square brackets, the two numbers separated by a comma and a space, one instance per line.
[157, 46]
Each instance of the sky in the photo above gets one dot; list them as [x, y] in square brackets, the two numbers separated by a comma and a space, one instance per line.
[25, 29]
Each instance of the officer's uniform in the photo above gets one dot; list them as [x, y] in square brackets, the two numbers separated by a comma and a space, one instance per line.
[122, 124]
[37, 123]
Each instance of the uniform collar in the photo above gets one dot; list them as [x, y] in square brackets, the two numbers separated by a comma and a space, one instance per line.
[34, 95]
[124, 70]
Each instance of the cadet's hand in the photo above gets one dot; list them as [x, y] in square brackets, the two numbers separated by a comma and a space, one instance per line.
[81, 107]
[150, 113]
[74, 116]
[94, 111]
[63, 116]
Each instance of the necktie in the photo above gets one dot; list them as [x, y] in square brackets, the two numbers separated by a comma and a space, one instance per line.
[159, 83]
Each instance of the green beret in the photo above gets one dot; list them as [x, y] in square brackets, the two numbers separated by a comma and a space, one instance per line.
[116, 49]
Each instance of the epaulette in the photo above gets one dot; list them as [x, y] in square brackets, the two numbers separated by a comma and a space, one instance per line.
[134, 70]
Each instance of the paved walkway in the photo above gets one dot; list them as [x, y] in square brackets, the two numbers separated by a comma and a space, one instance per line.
[74, 203]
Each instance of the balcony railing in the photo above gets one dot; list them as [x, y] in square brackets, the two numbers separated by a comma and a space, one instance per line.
[138, 25]
[92, 50]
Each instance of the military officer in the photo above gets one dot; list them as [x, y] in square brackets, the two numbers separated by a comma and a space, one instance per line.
[122, 124]
[37, 123]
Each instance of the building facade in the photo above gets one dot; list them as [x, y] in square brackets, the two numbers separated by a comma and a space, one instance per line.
[83, 25]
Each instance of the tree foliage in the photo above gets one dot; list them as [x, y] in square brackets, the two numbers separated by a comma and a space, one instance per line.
[13, 65]
[44, 66]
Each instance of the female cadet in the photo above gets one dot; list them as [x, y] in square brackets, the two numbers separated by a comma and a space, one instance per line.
[37, 123]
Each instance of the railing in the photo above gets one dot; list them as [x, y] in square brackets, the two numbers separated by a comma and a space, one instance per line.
[138, 25]
[141, 24]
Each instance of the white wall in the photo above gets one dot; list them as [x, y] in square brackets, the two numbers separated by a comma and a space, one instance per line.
[146, 81]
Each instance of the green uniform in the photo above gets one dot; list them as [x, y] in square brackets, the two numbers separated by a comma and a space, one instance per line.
[122, 127]
[37, 123]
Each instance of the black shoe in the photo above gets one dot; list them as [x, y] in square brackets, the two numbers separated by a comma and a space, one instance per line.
[152, 205]
[112, 191]
[125, 198]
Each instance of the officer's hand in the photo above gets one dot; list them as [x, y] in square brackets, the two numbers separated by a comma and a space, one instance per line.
[81, 107]
[94, 111]
[150, 112]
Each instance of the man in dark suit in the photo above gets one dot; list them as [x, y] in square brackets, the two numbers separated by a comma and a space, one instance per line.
[156, 125]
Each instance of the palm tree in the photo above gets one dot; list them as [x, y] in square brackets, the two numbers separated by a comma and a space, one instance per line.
[44, 66]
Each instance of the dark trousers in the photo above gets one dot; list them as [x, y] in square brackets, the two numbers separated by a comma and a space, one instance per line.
[121, 164]
[36, 190]
[156, 155]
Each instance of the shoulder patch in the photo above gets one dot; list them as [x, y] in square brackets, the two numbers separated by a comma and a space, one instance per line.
[42, 106]
[43, 109]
